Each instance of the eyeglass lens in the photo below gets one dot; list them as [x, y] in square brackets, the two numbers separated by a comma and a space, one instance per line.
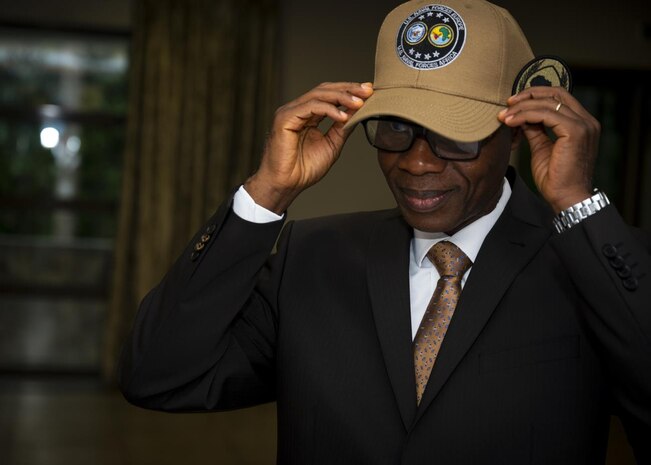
[395, 135]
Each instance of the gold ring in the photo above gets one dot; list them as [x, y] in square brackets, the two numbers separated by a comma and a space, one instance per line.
[558, 107]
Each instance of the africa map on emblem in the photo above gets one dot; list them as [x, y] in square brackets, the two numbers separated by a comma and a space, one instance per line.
[441, 35]
[446, 33]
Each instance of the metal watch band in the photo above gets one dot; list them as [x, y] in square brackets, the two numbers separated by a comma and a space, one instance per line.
[580, 211]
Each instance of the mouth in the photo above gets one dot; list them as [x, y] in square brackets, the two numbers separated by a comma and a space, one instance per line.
[424, 201]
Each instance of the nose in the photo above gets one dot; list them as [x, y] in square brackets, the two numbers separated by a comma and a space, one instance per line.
[420, 159]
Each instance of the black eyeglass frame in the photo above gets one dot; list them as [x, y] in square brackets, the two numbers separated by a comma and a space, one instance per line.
[418, 130]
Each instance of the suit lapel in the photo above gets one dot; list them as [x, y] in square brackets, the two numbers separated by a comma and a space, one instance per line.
[388, 281]
[511, 244]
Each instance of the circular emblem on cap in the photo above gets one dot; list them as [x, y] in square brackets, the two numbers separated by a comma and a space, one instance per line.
[445, 31]
[416, 33]
[546, 70]
[441, 35]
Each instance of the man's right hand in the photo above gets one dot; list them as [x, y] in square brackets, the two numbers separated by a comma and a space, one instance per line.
[297, 154]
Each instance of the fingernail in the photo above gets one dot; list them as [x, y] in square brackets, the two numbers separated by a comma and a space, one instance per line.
[357, 99]
[503, 112]
[367, 85]
[508, 118]
[343, 114]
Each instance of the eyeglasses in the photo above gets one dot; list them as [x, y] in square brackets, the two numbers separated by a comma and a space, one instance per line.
[397, 135]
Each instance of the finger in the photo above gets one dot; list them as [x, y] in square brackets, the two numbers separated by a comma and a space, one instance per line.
[535, 92]
[311, 114]
[363, 89]
[336, 135]
[353, 87]
[583, 135]
[560, 94]
[338, 97]
[536, 137]
[336, 91]
[336, 131]
[562, 119]
[542, 104]
[559, 123]
[350, 129]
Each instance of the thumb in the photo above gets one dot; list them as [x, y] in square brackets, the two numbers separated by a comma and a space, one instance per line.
[536, 135]
[338, 133]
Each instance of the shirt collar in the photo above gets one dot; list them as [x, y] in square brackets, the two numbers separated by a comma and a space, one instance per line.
[469, 239]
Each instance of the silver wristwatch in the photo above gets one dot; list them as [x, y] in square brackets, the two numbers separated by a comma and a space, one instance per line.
[580, 211]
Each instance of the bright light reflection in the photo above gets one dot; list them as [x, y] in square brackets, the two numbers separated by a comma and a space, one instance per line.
[49, 138]
[73, 144]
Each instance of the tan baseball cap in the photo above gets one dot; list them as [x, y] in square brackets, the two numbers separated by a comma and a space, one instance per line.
[448, 66]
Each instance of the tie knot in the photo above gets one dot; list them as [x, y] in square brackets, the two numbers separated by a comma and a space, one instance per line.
[449, 259]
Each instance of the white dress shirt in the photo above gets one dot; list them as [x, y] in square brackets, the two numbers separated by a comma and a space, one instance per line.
[423, 276]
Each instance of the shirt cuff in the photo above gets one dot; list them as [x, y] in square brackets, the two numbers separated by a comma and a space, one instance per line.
[245, 207]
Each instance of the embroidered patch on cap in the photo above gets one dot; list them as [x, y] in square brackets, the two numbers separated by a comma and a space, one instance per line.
[544, 70]
[431, 37]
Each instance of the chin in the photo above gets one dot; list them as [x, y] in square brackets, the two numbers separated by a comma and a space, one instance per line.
[428, 222]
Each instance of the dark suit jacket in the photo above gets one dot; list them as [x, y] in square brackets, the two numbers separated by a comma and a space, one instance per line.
[552, 333]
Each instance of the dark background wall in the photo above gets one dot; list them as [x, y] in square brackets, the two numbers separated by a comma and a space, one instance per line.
[102, 14]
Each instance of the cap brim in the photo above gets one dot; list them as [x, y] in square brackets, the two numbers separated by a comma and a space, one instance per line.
[456, 118]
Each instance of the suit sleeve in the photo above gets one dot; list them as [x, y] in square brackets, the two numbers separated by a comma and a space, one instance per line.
[204, 338]
[610, 265]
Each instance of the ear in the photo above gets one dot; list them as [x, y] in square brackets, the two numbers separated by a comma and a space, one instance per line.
[516, 138]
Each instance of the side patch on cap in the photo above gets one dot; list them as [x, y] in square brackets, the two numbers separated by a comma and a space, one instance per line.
[431, 37]
[544, 70]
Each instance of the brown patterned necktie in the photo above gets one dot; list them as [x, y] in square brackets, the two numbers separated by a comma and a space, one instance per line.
[451, 263]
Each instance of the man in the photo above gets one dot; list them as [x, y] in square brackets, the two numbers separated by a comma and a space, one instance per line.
[459, 328]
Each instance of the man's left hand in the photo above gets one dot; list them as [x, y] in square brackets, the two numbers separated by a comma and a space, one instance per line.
[562, 169]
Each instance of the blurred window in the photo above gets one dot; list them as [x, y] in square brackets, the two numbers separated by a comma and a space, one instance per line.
[62, 115]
